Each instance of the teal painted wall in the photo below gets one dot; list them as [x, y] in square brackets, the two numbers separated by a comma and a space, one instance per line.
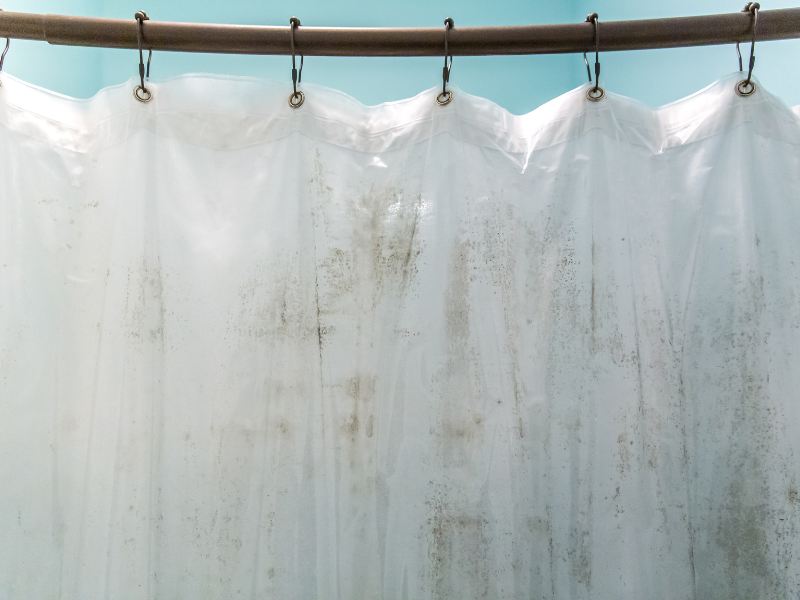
[661, 76]
[520, 84]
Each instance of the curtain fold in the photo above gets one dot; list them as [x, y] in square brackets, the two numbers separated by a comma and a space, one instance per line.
[400, 352]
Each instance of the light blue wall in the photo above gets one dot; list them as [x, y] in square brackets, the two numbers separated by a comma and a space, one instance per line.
[661, 76]
[518, 83]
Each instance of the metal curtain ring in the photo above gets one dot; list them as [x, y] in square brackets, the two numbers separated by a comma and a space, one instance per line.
[145, 96]
[141, 17]
[596, 93]
[749, 87]
[742, 88]
[446, 96]
[296, 99]
[591, 91]
[593, 19]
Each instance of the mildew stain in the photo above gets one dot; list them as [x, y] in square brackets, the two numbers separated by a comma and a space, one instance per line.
[144, 301]
[278, 307]
[580, 556]
[498, 246]
[361, 388]
[379, 254]
[393, 228]
[457, 320]
[338, 273]
[350, 426]
[458, 555]
[743, 541]
[469, 429]
[383, 247]
[460, 435]
[360, 393]
[624, 447]
[593, 317]
[370, 425]
[742, 429]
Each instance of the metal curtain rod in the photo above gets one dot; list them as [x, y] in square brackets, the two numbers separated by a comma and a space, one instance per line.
[412, 41]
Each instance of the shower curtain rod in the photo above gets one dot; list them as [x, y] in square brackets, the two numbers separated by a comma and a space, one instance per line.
[395, 41]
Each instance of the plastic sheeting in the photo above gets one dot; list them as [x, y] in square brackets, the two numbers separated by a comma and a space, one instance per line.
[403, 351]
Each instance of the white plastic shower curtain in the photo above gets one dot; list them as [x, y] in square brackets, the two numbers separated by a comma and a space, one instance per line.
[399, 352]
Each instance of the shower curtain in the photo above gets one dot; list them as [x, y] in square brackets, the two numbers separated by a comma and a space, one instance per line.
[399, 352]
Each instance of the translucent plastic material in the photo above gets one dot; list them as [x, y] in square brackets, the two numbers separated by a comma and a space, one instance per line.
[399, 352]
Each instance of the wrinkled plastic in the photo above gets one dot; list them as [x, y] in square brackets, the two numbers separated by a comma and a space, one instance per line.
[403, 351]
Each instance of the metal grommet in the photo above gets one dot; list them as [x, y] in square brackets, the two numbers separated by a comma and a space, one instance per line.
[741, 88]
[444, 98]
[591, 91]
[296, 99]
[146, 96]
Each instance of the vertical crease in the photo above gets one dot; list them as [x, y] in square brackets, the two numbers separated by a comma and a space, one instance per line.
[95, 382]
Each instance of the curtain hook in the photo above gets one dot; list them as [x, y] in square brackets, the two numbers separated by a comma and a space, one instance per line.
[3, 57]
[297, 98]
[140, 92]
[746, 87]
[446, 96]
[589, 19]
[739, 54]
[596, 93]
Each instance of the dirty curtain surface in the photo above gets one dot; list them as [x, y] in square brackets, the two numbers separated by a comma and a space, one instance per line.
[400, 352]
